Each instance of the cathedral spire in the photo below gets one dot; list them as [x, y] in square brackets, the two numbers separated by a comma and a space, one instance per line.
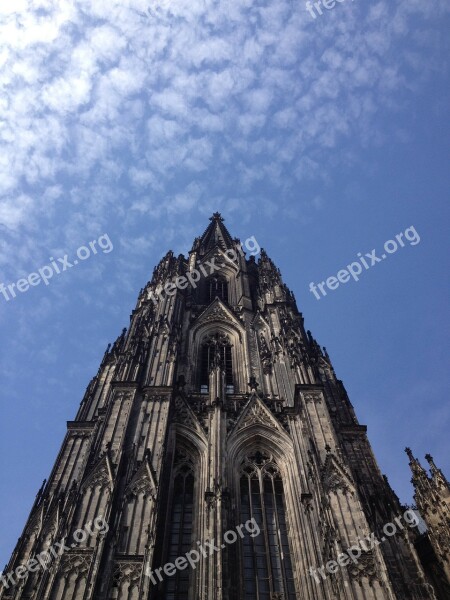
[215, 405]
[216, 234]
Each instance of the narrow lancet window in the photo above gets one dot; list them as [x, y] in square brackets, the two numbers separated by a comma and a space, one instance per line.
[180, 537]
[266, 564]
[216, 350]
[216, 287]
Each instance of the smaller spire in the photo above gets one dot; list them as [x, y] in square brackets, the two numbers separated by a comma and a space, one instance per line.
[419, 473]
[430, 461]
[409, 453]
[435, 472]
[415, 465]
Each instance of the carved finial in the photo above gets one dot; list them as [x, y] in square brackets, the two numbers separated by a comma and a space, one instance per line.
[253, 384]
[409, 453]
[216, 217]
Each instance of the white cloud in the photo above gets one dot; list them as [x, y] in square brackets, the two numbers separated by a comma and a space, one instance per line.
[11, 215]
[145, 96]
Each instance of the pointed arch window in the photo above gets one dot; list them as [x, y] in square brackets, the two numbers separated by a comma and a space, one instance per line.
[266, 558]
[216, 349]
[181, 530]
[216, 287]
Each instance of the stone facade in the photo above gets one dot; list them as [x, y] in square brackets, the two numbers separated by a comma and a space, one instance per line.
[215, 406]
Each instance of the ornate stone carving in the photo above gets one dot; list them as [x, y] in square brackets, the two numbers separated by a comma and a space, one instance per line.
[234, 411]
[78, 561]
[266, 355]
[128, 571]
[334, 476]
[364, 567]
[123, 396]
[309, 397]
[184, 415]
[216, 313]
[183, 460]
[99, 475]
[141, 485]
[156, 397]
[256, 414]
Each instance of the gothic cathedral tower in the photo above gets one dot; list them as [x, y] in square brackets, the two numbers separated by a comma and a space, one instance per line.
[214, 408]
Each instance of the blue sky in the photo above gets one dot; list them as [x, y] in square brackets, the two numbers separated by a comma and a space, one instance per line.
[321, 137]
